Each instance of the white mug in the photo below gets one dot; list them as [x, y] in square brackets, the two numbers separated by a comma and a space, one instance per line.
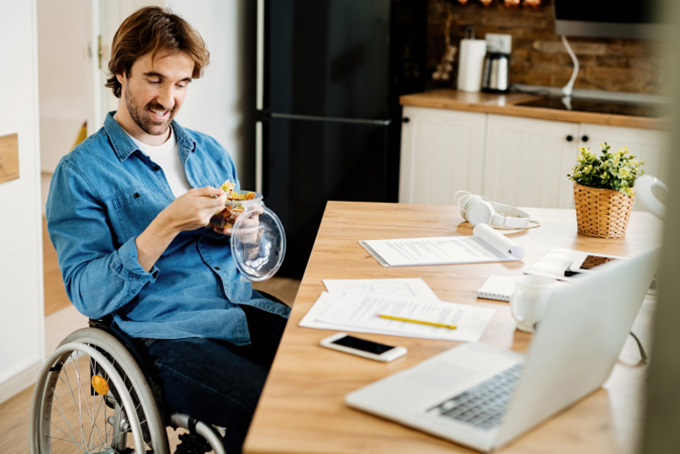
[530, 300]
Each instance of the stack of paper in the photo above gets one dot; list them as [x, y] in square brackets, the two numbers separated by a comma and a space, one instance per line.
[485, 245]
[355, 305]
[563, 263]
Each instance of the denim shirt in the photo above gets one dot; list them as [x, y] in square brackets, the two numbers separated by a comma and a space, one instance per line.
[105, 193]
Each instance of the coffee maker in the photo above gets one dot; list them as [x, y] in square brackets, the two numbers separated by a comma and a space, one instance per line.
[495, 73]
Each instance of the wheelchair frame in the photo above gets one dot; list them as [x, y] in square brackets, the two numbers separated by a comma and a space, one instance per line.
[128, 391]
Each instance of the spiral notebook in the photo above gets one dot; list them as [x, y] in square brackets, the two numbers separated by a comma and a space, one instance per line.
[497, 288]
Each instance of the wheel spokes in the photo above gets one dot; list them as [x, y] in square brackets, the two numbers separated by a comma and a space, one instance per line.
[84, 412]
[67, 420]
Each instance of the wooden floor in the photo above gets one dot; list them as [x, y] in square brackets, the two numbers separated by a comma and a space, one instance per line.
[55, 294]
[14, 413]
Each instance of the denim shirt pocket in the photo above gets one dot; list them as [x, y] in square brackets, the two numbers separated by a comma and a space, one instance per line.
[134, 209]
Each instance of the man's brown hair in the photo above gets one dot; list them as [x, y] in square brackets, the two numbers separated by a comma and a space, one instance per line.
[153, 29]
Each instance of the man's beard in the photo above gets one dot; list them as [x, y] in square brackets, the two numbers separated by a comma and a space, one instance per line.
[142, 120]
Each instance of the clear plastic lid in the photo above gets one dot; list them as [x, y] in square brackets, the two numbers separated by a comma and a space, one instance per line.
[258, 243]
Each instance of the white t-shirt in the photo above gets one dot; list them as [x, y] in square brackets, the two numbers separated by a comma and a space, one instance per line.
[167, 157]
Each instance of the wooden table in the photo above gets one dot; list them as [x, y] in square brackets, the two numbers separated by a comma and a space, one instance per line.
[302, 408]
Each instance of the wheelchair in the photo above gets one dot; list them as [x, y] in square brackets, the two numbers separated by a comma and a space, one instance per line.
[95, 395]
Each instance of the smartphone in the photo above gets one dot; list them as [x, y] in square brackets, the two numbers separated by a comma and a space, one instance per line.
[589, 263]
[362, 347]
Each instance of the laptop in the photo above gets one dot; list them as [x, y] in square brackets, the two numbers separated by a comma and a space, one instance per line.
[483, 396]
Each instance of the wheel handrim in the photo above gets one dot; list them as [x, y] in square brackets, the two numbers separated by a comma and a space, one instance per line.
[73, 420]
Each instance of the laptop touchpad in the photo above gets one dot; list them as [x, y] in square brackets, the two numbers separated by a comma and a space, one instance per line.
[440, 375]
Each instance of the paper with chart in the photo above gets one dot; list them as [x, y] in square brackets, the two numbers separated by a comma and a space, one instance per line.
[359, 313]
[485, 245]
[409, 288]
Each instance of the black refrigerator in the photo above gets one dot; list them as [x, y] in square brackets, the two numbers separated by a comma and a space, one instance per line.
[329, 76]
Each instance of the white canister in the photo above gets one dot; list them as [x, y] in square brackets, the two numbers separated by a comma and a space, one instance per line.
[471, 63]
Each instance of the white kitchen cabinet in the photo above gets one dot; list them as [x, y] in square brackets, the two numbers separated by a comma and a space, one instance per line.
[527, 161]
[647, 144]
[509, 159]
[442, 151]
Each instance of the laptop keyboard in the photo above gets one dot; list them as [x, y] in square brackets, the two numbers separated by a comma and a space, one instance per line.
[484, 404]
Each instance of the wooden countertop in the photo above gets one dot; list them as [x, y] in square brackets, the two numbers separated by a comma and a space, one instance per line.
[506, 104]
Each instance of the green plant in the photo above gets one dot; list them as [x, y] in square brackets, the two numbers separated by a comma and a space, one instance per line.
[616, 171]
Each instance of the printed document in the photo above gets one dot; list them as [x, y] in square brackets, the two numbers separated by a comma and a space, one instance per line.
[359, 313]
[485, 245]
[376, 287]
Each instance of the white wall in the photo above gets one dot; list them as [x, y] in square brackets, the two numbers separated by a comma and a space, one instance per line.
[63, 67]
[21, 284]
[222, 102]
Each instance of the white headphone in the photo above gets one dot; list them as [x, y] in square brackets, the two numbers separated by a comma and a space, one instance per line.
[477, 209]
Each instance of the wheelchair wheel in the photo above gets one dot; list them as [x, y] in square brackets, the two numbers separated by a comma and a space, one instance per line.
[92, 397]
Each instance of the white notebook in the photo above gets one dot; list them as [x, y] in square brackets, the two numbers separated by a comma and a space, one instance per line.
[498, 288]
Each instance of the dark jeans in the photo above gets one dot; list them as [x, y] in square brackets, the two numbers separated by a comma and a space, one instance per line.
[214, 380]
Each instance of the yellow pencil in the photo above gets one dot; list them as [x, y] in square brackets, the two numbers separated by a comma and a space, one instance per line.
[420, 322]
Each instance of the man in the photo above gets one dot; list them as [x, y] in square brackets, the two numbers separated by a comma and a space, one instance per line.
[127, 213]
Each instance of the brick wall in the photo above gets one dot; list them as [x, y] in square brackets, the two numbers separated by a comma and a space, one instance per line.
[538, 55]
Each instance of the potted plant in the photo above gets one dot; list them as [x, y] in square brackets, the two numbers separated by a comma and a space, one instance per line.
[603, 190]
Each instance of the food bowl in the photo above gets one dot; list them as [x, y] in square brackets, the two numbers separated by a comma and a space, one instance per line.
[237, 202]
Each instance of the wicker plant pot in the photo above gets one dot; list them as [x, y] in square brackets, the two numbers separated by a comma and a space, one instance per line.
[602, 212]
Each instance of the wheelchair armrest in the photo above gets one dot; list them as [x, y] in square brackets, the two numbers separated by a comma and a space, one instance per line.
[270, 297]
[106, 322]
